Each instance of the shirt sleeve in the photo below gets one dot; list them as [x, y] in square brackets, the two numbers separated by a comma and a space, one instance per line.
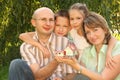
[27, 53]
[116, 49]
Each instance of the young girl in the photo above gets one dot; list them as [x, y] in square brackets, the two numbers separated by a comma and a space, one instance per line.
[77, 13]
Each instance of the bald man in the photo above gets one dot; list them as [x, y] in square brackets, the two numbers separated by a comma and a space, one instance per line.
[33, 65]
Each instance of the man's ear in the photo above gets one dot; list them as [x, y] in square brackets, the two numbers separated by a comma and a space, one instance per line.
[33, 22]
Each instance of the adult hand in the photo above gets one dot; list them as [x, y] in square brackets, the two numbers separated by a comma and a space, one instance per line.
[67, 60]
[57, 78]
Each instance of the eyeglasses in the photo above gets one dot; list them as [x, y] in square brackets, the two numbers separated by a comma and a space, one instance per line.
[45, 20]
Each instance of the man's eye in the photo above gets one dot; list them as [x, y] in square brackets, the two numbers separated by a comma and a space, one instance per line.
[43, 19]
[51, 20]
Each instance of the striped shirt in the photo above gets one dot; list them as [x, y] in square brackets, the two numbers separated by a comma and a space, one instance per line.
[32, 54]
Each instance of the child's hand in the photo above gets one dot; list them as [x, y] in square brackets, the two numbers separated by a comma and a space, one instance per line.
[45, 51]
[109, 61]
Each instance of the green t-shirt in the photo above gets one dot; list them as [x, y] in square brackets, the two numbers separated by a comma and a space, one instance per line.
[89, 58]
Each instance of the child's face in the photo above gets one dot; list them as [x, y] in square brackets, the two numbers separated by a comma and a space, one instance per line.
[62, 26]
[76, 18]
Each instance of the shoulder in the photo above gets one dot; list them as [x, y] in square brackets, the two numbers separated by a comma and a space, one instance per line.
[72, 32]
[88, 51]
[116, 49]
[117, 44]
[25, 46]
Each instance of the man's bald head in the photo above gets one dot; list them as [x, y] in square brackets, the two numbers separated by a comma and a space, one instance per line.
[42, 9]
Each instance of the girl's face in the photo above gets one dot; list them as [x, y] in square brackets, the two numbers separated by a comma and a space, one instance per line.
[62, 26]
[76, 18]
[95, 35]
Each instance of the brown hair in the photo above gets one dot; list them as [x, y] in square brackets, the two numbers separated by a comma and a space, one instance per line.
[94, 20]
[81, 7]
[62, 13]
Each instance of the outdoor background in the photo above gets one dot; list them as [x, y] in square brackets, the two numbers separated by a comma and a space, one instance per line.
[15, 18]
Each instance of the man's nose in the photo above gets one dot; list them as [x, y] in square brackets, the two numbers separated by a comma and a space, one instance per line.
[48, 22]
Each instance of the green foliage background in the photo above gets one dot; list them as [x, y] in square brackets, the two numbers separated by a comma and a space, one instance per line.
[15, 18]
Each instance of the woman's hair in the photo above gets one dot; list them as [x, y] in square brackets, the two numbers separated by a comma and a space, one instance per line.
[62, 13]
[80, 7]
[94, 20]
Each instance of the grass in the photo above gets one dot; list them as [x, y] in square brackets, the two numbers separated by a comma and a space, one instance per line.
[4, 73]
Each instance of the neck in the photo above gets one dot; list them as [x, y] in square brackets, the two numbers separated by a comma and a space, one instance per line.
[43, 38]
[79, 32]
[98, 47]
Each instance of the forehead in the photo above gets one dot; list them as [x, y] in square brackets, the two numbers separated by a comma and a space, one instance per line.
[63, 20]
[92, 27]
[44, 13]
[76, 12]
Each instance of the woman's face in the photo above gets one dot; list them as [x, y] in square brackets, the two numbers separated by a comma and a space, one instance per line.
[95, 35]
[62, 26]
[76, 18]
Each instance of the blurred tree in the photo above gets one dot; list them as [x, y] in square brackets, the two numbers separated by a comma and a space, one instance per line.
[15, 18]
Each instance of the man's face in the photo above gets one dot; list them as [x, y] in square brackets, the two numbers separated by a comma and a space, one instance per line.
[44, 22]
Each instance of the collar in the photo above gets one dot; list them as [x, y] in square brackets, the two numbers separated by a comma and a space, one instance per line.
[49, 40]
[102, 50]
